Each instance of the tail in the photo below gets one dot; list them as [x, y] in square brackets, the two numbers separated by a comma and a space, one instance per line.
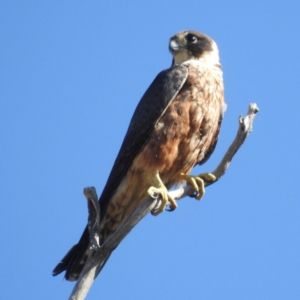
[75, 259]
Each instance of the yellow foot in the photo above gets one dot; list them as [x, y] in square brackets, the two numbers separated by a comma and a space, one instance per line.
[198, 182]
[160, 190]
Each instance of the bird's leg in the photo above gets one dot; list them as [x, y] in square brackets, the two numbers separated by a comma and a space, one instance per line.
[198, 182]
[159, 189]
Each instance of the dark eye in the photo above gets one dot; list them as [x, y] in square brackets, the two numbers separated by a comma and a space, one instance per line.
[191, 38]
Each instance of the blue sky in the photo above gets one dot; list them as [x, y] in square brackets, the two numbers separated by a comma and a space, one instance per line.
[71, 74]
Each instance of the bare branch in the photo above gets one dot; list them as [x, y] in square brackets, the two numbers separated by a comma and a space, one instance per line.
[245, 127]
[99, 256]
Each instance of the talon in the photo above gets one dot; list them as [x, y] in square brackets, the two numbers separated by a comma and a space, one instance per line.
[209, 177]
[198, 182]
[160, 189]
[171, 208]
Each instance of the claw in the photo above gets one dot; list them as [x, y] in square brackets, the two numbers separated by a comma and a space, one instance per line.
[198, 182]
[160, 190]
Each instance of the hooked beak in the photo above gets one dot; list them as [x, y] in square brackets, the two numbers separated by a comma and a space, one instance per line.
[175, 45]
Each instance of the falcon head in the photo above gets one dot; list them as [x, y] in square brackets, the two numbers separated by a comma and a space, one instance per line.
[188, 45]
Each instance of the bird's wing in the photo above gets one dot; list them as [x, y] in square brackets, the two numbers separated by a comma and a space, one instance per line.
[151, 107]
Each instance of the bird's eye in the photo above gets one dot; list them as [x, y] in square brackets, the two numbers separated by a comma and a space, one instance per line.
[191, 38]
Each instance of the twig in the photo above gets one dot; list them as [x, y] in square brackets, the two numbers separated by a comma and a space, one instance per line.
[245, 127]
[99, 256]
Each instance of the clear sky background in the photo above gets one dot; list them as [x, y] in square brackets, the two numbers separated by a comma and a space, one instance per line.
[71, 74]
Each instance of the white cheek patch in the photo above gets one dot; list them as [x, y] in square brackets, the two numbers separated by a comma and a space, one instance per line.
[212, 57]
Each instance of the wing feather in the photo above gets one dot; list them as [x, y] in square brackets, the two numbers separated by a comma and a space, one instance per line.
[151, 107]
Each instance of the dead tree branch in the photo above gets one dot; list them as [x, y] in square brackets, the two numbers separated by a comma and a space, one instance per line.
[100, 254]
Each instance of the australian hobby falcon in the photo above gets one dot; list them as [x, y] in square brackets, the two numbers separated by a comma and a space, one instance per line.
[174, 127]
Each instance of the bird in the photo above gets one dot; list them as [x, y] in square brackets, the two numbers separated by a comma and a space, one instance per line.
[174, 127]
